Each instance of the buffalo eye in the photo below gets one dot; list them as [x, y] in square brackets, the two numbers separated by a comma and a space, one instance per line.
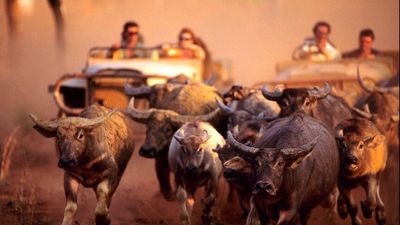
[80, 135]
[199, 150]
[285, 102]
[307, 102]
[167, 130]
[361, 145]
[280, 163]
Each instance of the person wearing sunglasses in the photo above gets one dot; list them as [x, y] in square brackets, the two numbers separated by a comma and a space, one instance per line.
[131, 40]
[319, 47]
[188, 46]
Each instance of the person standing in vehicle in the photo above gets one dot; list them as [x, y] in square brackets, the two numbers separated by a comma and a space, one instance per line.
[366, 39]
[318, 48]
[131, 40]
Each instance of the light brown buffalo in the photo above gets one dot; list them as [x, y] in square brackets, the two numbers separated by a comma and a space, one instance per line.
[94, 150]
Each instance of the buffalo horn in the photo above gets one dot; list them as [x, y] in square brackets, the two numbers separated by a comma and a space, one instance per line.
[361, 82]
[228, 110]
[133, 91]
[273, 96]
[295, 153]
[362, 113]
[92, 123]
[140, 116]
[181, 119]
[241, 148]
[48, 125]
[318, 93]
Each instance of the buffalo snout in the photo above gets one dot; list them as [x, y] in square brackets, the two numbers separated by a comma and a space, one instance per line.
[351, 160]
[67, 162]
[264, 187]
[147, 153]
[230, 174]
[191, 170]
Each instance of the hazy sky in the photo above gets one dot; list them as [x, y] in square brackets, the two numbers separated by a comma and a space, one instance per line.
[253, 35]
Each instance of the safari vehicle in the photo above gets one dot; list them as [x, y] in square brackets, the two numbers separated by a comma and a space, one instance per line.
[106, 73]
[341, 74]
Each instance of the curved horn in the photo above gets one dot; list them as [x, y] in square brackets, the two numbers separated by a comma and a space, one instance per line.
[140, 116]
[205, 136]
[361, 82]
[263, 116]
[92, 123]
[228, 110]
[178, 137]
[133, 91]
[273, 96]
[362, 113]
[48, 125]
[340, 133]
[241, 148]
[295, 153]
[211, 80]
[318, 93]
[181, 119]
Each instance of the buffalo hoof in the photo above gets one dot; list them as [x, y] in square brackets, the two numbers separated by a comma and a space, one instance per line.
[206, 219]
[169, 196]
[380, 216]
[342, 210]
[367, 212]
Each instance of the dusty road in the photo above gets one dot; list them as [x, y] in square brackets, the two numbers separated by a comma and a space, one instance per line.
[33, 192]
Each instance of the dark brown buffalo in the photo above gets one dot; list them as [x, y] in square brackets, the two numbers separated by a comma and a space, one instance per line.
[183, 103]
[94, 150]
[296, 164]
[363, 158]
[320, 104]
[246, 104]
[380, 106]
[237, 171]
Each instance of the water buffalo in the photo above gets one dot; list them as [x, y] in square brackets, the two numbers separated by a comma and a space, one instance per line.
[194, 163]
[94, 150]
[320, 104]
[191, 102]
[246, 104]
[363, 158]
[381, 106]
[296, 164]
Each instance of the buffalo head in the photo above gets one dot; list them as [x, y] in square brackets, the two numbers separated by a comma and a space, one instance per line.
[291, 100]
[161, 125]
[270, 163]
[192, 143]
[362, 147]
[73, 134]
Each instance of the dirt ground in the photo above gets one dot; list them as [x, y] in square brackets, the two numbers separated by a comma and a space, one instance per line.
[33, 194]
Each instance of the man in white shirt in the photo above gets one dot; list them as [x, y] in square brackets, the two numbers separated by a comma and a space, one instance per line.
[318, 48]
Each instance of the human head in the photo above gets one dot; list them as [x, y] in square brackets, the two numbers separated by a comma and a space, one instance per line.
[130, 34]
[366, 39]
[321, 31]
[186, 37]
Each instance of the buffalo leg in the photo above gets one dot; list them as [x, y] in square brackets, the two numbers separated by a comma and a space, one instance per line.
[369, 205]
[186, 205]
[380, 215]
[209, 200]
[71, 186]
[351, 205]
[103, 194]
[163, 171]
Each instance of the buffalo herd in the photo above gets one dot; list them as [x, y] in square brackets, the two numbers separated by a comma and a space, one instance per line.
[282, 151]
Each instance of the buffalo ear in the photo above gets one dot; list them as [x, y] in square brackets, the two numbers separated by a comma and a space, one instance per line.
[294, 163]
[45, 132]
[376, 141]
